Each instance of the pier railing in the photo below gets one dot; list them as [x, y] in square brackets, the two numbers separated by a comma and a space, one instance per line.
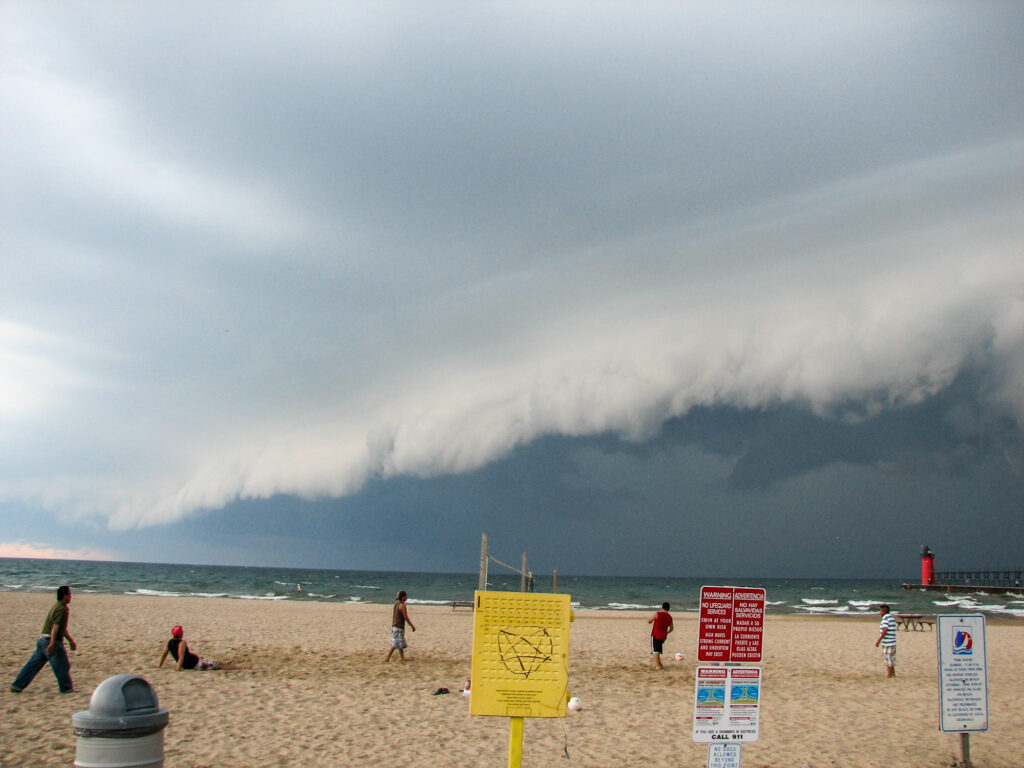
[986, 578]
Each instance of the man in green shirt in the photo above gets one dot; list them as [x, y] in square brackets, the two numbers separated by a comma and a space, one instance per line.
[50, 647]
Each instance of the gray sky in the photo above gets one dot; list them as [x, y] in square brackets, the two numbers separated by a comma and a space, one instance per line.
[730, 288]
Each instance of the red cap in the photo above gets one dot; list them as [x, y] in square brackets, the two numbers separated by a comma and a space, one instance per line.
[177, 631]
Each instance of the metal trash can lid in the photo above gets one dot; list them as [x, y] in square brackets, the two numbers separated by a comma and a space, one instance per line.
[121, 706]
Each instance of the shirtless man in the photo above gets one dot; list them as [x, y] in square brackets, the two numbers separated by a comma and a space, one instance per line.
[399, 618]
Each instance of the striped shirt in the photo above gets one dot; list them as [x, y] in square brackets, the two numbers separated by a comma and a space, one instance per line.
[888, 622]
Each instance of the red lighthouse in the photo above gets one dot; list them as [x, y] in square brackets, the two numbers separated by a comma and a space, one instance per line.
[927, 566]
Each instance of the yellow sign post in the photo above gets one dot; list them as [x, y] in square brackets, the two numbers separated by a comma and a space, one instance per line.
[520, 659]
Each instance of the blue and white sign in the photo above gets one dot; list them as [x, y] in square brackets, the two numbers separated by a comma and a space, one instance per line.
[963, 673]
[725, 755]
[726, 704]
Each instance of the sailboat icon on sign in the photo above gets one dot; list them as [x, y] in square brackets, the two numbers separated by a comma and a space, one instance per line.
[962, 643]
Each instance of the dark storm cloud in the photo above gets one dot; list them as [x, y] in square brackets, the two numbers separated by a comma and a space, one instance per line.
[261, 252]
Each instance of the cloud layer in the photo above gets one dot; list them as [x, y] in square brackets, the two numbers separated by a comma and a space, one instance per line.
[349, 245]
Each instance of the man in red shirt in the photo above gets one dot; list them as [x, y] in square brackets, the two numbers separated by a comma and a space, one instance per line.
[662, 622]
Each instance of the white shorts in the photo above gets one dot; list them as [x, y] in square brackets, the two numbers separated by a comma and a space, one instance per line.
[889, 654]
[398, 638]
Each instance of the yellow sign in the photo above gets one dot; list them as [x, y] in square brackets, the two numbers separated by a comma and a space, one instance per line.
[520, 654]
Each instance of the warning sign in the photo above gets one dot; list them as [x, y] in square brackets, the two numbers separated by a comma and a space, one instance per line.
[520, 654]
[727, 704]
[731, 624]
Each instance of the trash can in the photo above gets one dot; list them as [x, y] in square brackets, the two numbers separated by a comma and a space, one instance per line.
[123, 727]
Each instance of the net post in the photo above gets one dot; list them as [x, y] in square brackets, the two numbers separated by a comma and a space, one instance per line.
[482, 584]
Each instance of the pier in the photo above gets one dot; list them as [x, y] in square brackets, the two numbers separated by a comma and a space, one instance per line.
[1003, 578]
[994, 581]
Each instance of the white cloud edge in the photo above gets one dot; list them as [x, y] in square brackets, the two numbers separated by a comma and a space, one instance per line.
[904, 332]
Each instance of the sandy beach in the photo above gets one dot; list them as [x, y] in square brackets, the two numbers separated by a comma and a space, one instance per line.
[317, 693]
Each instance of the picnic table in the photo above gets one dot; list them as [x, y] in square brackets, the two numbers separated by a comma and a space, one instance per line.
[914, 622]
[461, 604]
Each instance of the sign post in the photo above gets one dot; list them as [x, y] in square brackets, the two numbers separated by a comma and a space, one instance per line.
[520, 659]
[727, 699]
[963, 677]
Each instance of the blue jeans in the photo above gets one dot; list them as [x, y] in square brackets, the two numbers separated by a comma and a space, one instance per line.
[59, 661]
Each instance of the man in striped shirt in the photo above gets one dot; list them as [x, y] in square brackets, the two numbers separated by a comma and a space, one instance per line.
[887, 639]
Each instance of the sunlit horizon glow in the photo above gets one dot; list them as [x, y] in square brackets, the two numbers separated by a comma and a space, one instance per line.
[36, 551]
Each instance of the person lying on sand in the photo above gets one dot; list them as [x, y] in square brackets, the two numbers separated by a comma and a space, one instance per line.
[177, 646]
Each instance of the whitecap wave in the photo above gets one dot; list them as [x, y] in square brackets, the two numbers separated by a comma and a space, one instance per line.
[267, 596]
[830, 609]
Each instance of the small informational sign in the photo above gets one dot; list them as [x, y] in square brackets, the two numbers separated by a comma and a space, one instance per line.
[963, 673]
[724, 755]
[520, 654]
[731, 624]
[727, 704]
